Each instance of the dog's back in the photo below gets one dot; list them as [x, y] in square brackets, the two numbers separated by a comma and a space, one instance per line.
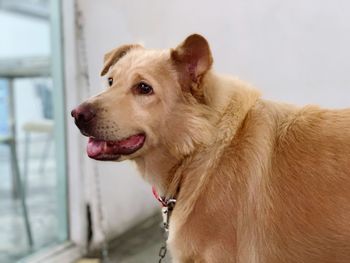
[310, 186]
[301, 203]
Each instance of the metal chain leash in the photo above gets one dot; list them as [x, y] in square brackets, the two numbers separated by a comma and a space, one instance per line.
[166, 213]
[83, 71]
[162, 253]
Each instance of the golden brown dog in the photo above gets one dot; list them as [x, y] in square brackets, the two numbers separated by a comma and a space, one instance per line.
[256, 181]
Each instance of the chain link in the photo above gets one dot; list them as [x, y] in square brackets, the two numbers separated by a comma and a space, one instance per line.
[169, 205]
[162, 253]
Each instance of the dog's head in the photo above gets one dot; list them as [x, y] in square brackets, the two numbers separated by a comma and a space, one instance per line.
[152, 98]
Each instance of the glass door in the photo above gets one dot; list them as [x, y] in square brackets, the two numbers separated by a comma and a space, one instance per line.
[33, 210]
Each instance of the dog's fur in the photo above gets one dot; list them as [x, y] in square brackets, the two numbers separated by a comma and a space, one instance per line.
[256, 181]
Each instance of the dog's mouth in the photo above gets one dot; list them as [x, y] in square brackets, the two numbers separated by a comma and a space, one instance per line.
[112, 150]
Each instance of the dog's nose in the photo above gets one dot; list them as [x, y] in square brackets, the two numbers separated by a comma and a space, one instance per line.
[83, 114]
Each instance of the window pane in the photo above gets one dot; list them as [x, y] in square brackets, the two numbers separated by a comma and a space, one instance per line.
[32, 167]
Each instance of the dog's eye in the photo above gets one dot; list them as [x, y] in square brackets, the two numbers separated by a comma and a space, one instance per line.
[110, 81]
[143, 89]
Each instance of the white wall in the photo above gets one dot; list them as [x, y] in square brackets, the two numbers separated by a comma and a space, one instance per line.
[295, 51]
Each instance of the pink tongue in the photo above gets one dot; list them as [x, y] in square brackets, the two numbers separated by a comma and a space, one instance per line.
[126, 146]
[130, 142]
[95, 147]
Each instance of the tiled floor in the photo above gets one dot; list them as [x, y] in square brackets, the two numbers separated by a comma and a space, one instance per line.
[41, 203]
[139, 245]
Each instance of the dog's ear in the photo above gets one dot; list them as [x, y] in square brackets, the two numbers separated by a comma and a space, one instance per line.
[114, 55]
[192, 58]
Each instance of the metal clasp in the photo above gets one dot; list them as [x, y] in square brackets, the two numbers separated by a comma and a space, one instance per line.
[166, 212]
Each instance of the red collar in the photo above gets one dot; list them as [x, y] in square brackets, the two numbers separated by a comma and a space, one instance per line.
[162, 200]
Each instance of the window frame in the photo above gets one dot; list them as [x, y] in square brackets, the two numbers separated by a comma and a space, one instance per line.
[65, 74]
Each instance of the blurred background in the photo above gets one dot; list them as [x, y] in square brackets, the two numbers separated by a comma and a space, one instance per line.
[56, 205]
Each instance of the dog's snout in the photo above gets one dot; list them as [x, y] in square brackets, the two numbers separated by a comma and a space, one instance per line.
[83, 114]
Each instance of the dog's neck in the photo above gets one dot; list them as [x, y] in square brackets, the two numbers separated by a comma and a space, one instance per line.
[160, 164]
[155, 167]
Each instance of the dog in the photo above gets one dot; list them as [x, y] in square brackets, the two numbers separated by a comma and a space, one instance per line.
[256, 181]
